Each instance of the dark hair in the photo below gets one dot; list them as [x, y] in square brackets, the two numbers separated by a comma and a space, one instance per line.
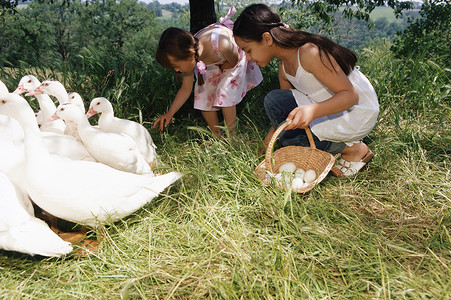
[257, 19]
[180, 44]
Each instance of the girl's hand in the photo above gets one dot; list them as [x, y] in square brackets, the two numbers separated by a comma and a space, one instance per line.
[226, 65]
[164, 120]
[301, 117]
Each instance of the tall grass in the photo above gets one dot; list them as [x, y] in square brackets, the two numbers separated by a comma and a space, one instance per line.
[220, 233]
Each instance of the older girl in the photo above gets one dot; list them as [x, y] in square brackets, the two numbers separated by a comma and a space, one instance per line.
[320, 87]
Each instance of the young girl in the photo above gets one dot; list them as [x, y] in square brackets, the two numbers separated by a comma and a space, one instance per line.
[320, 88]
[223, 73]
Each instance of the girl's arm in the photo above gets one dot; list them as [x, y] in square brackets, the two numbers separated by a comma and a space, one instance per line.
[333, 77]
[228, 50]
[180, 99]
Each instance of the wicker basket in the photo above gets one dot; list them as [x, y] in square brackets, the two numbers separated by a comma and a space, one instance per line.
[307, 158]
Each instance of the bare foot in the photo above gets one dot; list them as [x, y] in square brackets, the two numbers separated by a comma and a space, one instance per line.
[354, 153]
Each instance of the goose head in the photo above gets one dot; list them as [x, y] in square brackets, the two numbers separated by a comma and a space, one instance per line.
[76, 99]
[53, 88]
[28, 83]
[99, 105]
[69, 112]
[14, 106]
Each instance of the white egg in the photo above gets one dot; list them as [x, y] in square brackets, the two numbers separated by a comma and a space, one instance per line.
[269, 176]
[299, 173]
[284, 178]
[297, 183]
[287, 167]
[309, 176]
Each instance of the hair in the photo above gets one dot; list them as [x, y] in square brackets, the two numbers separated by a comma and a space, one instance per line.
[179, 44]
[257, 19]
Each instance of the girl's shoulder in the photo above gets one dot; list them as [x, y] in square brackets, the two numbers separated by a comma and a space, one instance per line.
[204, 32]
[219, 29]
[308, 50]
[225, 36]
[309, 55]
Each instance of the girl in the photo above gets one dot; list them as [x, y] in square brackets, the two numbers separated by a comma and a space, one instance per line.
[223, 73]
[320, 87]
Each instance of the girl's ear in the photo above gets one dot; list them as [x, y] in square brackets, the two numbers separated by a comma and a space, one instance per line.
[267, 38]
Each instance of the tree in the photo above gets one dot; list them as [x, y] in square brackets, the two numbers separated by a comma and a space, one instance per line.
[429, 35]
[7, 5]
[359, 9]
[202, 14]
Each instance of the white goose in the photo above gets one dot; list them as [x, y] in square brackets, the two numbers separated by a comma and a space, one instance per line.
[56, 89]
[20, 231]
[84, 192]
[12, 152]
[76, 99]
[11, 142]
[3, 88]
[113, 149]
[109, 123]
[28, 84]
[11, 147]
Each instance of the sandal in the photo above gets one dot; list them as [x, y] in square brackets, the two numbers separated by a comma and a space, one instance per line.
[346, 168]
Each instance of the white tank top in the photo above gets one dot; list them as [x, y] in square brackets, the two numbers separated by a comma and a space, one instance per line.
[349, 126]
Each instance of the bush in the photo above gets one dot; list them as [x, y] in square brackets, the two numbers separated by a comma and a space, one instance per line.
[428, 37]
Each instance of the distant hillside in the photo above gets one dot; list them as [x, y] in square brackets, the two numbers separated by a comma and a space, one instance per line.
[166, 14]
[387, 13]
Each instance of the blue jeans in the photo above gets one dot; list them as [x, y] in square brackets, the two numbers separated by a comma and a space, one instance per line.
[278, 104]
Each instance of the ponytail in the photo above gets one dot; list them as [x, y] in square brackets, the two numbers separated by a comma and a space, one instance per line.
[200, 77]
[257, 19]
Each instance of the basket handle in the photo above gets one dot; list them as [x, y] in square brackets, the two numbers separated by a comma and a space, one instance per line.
[268, 159]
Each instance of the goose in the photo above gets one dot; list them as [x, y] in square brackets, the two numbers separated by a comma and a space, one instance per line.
[12, 152]
[3, 88]
[113, 149]
[40, 118]
[29, 83]
[109, 123]
[76, 99]
[11, 144]
[83, 192]
[11, 139]
[11, 147]
[20, 231]
[56, 89]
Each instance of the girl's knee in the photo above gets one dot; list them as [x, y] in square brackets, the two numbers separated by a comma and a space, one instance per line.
[271, 98]
[278, 104]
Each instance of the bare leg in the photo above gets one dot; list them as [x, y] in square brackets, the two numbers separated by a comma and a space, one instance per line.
[354, 153]
[212, 120]
[229, 114]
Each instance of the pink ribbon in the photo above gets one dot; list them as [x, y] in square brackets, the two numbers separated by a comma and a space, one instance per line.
[200, 66]
[226, 20]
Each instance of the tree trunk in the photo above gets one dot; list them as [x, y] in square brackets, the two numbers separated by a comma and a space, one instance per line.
[202, 14]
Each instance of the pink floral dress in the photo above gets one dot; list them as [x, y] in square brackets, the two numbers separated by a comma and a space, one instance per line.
[225, 88]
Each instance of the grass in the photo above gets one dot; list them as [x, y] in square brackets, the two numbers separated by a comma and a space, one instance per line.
[219, 233]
